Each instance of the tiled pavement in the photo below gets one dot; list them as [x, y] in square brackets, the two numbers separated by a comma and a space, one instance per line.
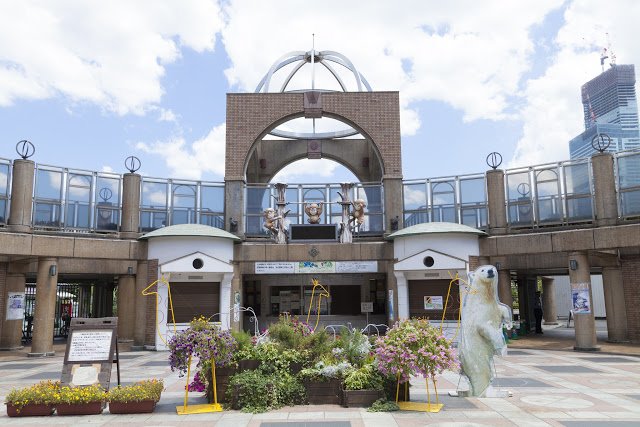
[549, 388]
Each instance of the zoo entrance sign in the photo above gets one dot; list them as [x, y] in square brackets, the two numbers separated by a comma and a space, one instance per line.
[316, 267]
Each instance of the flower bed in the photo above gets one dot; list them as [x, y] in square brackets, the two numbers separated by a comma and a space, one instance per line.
[36, 400]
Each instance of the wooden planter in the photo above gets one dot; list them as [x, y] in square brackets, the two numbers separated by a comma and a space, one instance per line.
[361, 398]
[30, 410]
[92, 408]
[324, 392]
[223, 376]
[142, 407]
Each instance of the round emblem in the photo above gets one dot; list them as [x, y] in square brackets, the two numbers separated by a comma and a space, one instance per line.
[25, 149]
[132, 163]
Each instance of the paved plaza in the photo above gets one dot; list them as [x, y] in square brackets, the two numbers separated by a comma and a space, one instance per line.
[549, 388]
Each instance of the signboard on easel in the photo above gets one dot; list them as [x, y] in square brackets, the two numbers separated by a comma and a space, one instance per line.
[89, 354]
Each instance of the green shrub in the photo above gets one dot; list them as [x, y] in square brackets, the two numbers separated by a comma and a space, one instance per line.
[257, 391]
[367, 377]
[382, 405]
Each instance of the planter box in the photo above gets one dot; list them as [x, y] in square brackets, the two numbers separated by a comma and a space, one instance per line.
[92, 408]
[324, 392]
[142, 407]
[30, 410]
[361, 398]
[223, 376]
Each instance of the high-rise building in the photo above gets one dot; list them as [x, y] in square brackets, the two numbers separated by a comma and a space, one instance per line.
[610, 107]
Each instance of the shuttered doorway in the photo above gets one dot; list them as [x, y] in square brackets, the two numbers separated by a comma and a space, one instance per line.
[194, 299]
[419, 289]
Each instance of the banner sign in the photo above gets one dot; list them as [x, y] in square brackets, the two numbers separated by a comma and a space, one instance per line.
[316, 267]
[15, 305]
[580, 298]
[433, 302]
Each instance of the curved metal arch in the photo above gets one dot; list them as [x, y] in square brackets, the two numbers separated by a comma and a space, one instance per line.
[283, 61]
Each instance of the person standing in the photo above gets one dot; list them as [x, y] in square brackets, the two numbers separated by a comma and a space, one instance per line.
[537, 312]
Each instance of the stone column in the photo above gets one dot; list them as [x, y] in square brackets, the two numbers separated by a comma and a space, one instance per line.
[21, 196]
[496, 202]
[604, 185]
[45, 310]
[614, 303]
[549, 311]
[504, 287]
[403, 295]
[141, 312]
[234, 205]
[11, 332]
[585, 324]
[393, 203]
[126, 309]
[129, 228]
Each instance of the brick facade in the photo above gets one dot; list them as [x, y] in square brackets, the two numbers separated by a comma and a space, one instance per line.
[251, 115]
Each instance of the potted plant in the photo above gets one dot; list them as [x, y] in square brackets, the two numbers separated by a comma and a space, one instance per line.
[87, 400]
[36, 400]
[363, 386]
[413, 347]
[140, 397]
[206, 341]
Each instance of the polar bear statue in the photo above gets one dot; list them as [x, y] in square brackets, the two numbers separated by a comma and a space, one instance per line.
[481, 333]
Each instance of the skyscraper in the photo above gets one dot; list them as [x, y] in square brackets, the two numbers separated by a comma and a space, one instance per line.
[610, 107]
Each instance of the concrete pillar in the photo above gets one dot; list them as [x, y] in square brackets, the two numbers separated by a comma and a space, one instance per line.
[614, 303]
[403, 295]
[141, 312]
[392, 308]
[11, 330]
[234, 206]
[393, 203]
[129, 227]
[228, 299]
[496, 202]
[45, 310]
[549, 311]
[21, 196]
[504, 287]
[580, 280]
[604, 185]
[126, 308]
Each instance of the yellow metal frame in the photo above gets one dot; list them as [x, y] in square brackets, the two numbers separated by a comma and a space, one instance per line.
[146, 292]
[203, 408]
[418, 406]
[324, 293]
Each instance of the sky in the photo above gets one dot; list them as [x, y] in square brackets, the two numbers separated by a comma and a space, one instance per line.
[91, 83]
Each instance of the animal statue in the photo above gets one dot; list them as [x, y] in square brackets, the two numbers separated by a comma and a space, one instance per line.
[271, 220]
[314, 211]
[357, 215]
[481, 331]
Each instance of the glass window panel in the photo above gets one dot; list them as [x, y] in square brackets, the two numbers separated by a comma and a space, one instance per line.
[258, 199]
[518, 186]
[184, 196]
[547, 183]
[577, 179]
[417, 217]
[579, 208]
[629, 171]
[443, 193]
[212, 198]
[4, 180]
[3, 211]
[472, 191]
[154, 194]
[415, 196]
[48, 184]
[630, 203]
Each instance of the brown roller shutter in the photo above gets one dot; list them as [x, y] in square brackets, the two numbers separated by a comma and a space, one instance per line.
[418, 289]
[195, 299]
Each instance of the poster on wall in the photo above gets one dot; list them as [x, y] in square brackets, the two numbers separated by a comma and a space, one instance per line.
[433, 302]
[15, 306]
[236, 307]
[316, 267]
[580, 298]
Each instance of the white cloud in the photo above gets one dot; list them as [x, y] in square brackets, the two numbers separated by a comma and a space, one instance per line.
[468, 54]
[108, 53]
[306, 170]
[191, 161]
[552, 114]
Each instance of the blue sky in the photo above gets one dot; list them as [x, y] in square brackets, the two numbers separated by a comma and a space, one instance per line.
[92, 83]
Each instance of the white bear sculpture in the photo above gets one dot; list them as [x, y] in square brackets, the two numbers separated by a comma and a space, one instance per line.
[481, 333]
